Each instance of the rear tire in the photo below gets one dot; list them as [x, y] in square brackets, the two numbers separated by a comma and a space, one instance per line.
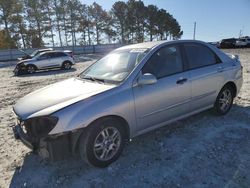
[66, 65]
[102, 143]
[224, 100]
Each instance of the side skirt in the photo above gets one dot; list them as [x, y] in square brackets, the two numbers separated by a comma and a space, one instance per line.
[171, 121]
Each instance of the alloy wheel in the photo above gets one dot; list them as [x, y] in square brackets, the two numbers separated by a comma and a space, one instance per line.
[107, 143]
[67, 65]
[30, 69]
[225, 100]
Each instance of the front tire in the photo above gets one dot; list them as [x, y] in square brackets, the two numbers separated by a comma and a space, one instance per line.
[31, 69]
[224, 100]
[16, 71]
[102, 142]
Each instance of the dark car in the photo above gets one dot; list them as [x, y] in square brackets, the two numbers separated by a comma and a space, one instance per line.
[228, 43]
[217, 44]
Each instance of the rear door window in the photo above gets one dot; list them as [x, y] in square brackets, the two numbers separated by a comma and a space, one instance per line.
[200, 56]
[57, 54]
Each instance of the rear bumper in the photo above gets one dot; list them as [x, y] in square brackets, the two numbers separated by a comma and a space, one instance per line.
[238, 83]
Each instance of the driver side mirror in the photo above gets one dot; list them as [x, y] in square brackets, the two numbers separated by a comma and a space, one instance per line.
[236, 57]
[146, 79]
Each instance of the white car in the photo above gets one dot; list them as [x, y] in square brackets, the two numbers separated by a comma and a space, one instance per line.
[45, 60]
[244, 42]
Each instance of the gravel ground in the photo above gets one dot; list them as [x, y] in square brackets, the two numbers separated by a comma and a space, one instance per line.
[201, 151]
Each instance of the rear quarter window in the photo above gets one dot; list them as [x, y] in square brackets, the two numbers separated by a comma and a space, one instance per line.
[60, 54]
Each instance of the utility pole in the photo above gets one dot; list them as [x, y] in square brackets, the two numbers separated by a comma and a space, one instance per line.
[194, 30]
[240, 34]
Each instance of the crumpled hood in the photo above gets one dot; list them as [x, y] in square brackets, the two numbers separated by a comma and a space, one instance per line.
[25, 61]
[57, 96]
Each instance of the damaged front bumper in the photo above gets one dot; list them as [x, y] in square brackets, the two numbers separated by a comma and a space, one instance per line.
[20, 69]
[52, 147]
[20, 135]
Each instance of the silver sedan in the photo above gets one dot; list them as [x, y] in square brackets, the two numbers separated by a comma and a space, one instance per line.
[132, 90]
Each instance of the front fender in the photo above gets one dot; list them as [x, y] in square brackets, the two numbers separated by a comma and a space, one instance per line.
[119, 102]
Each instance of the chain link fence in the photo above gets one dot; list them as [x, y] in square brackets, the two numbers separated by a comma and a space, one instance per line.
[13, 54]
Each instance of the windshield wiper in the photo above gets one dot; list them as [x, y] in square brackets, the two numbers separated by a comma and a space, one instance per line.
[94, 79]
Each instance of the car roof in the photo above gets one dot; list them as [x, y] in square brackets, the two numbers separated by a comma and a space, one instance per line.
[147, 45]
[46, 49]
[150, 45]
[230, 39]
[53, 51]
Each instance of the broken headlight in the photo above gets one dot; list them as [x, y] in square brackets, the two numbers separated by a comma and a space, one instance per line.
[40, 126]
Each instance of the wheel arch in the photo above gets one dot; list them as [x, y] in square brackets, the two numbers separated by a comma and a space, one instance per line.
[65, 61]
[31, 64]
[75, 141]
[233, 86]
[117, 117]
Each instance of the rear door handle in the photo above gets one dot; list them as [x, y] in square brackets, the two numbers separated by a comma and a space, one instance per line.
[181, 81]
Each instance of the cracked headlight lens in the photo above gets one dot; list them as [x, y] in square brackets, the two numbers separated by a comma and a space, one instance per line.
[40, 126]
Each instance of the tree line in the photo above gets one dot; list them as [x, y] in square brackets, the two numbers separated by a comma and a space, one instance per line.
[36, 23]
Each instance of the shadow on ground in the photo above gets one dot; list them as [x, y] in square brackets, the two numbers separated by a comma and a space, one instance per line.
[78, 59]
[200, 151]
[48, 72]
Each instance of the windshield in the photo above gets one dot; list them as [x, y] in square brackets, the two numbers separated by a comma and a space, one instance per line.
[34, 53]
[114, 67]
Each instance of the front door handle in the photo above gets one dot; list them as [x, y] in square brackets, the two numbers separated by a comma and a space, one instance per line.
[220, 69]
[181, 81]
